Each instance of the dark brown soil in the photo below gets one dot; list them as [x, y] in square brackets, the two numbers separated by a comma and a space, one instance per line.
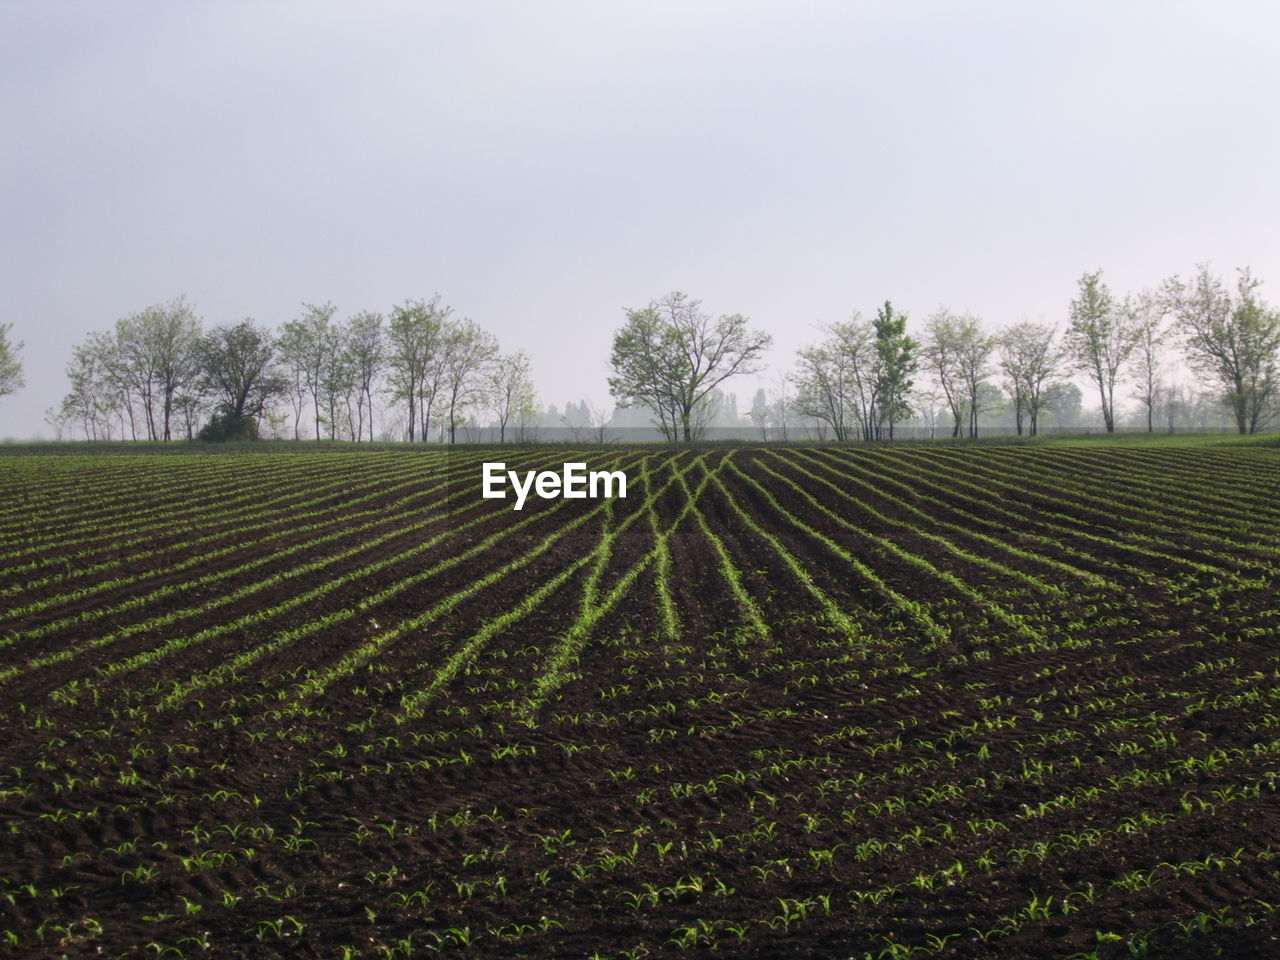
[907, 722]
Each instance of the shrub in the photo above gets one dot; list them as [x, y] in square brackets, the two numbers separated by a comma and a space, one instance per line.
[225, 426]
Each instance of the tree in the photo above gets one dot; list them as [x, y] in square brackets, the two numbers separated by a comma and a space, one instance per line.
[57, 419]
[468, 352]
[835, 380]
[825, 387]
[1016, 385]
[308, 348]
[116, 388]
[958, 352]
[191, 405]
[927, 407]
[1171, 404]
[1233, 341]
[510, 389]
[92, 396]
[1064, 402]
[1100, 339]
[1146, 313]
[669, 356]
[973, 353]
[415, 353]
[171, 332]
[293, 353]
[944, 335]
[714, 407]
[236, 362]
[1030, 362]
[760, 412]
[896, 361]
[989, 397]
[10, 366]
[151, 358]
[527, 417]
[366, 345]
[860, 376]
[337, 380]
[134, 365]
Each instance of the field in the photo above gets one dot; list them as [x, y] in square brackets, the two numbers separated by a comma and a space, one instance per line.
[920, 701]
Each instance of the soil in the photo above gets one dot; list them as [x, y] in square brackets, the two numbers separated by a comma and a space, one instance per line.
[1058, 739]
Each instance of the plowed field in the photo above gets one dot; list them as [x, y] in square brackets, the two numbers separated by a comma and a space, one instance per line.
[952, 701]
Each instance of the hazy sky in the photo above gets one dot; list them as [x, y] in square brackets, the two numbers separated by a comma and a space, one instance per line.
[545, 165]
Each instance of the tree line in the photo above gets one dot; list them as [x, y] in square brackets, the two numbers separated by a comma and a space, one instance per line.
[159, 375]
[860, 379]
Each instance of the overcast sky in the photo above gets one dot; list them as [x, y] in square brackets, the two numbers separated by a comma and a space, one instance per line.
[545, 165]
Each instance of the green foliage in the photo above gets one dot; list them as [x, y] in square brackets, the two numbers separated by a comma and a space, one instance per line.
[225, 427]
[237, 366]
[857, 380]
[1234, 341]
[896, 362]
[669, 356]
[1100, 339]
[10, 365]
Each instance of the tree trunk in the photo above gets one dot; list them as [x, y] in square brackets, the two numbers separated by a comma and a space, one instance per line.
[1108, 410]
[148, 407]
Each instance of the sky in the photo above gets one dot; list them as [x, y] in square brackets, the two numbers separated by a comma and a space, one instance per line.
[544, 167]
